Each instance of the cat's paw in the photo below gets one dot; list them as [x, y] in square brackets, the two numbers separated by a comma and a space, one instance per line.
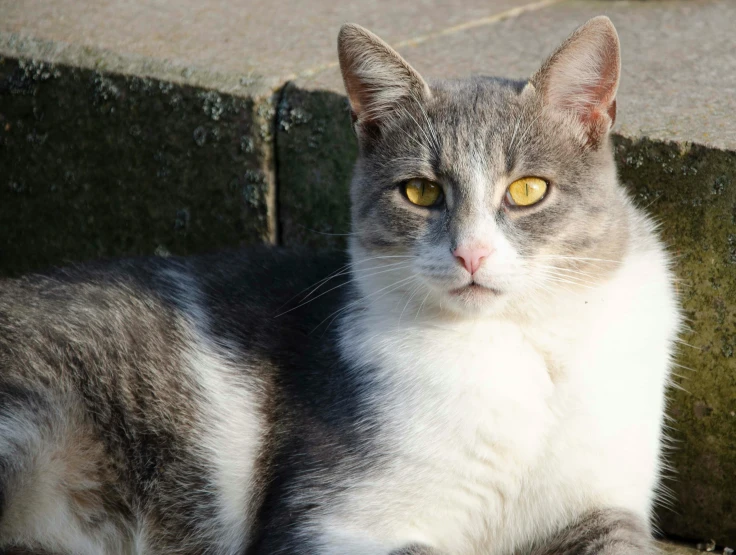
[609, 531]
[416, 549]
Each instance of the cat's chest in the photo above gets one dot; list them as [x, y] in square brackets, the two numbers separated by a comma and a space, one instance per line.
[472, 396]
[466, 415]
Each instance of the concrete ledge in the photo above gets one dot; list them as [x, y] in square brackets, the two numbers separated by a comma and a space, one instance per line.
[668, 548]
[95, 164]
[316, 149]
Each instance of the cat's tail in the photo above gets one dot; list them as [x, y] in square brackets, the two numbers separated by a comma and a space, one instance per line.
[52, 491]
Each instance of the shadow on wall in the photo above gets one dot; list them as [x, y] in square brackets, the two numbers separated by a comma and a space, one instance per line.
[315, 152]
[97, 165]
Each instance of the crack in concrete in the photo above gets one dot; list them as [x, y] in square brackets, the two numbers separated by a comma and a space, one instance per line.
[414, 41]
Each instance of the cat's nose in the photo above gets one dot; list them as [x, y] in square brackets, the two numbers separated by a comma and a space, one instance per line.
[472, 257]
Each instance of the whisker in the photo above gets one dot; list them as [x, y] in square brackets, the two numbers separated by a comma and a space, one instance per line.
[569, 279]
[553, 279]
[417, 142]
[318, 284]
[563, 269]
[345, 270]
[563, 257]
[324, 232]
[432, 130]
[688, 344]
[529, 127]
[513, 136]
[407, 304]
[683, 367]
[566, 277]
[351, 304]
[338, 286]
[340, 271]
[421, 305]
[419, 126]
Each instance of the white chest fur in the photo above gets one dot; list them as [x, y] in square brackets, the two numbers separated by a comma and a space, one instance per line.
[500, 432]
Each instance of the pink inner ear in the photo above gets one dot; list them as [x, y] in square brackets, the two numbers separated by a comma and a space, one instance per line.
[612, 112]
[599, 98]
[582, 77]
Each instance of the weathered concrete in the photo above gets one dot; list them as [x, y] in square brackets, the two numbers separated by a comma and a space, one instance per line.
[316, 149]
[94, 164]
[168, 108]
[255, 39]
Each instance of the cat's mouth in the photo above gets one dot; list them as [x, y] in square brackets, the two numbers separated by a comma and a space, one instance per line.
[474, 288]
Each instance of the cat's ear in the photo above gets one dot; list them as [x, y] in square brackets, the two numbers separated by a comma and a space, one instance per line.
[581, 77]
[377, 80]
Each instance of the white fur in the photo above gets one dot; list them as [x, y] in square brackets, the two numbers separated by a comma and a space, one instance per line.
[230, 427]
[42, 511]
[231, 433]
[505, 428]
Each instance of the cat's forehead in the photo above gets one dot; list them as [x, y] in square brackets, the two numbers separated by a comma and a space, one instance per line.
[462, 130]
[478, 100]
[470, 128]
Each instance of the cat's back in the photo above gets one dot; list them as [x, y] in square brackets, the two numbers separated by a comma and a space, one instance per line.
[247, 291]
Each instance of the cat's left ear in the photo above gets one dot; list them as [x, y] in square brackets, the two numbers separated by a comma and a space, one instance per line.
[581, 78]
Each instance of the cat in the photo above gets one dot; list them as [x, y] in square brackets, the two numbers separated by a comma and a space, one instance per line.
[484, 372]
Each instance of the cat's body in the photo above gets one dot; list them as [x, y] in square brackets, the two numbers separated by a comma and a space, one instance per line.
[269, 402]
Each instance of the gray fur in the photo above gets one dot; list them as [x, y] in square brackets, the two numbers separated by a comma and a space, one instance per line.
[507, 129]
[416, 550]
[602, 532]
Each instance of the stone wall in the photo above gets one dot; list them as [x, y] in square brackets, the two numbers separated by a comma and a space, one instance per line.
[94, 164]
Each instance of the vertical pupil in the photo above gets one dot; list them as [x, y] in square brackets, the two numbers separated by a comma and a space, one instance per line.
[527, 188]
[421, 193]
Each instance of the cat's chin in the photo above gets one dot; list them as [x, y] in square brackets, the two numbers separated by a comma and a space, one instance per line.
[475, 291]
[475, 298]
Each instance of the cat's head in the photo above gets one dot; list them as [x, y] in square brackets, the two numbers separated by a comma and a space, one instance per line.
[482, 195]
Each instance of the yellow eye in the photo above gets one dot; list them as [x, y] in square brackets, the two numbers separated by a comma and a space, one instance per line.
[526, 191]
[423, 192]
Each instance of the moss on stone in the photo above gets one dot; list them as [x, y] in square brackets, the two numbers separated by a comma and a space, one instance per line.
[97, 165]
[316, 150]
[691, 191]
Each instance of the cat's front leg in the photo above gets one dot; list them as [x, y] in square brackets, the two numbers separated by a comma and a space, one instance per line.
[602, 532]
[416, 549]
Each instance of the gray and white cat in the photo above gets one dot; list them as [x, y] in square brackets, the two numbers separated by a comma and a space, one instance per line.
[483, 374]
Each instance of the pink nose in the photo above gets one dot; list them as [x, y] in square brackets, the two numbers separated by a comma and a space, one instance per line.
[472, 257]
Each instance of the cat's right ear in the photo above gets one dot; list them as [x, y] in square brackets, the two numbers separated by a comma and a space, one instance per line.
[377, 80]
